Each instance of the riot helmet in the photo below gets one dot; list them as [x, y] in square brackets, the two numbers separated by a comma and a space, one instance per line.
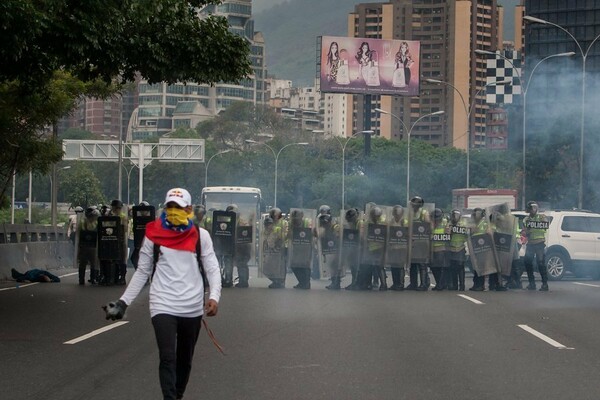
[275, 213]
[324, 209]
[116, 203]
[455, 215]
[438, 214]
[78, 209]
[91, 212]
[478, 214]
[232, 208]
[144, 203]
[398, 212]
[417, 202]
[532, 207]
[297, 216]
[351, 214]
[375, 213]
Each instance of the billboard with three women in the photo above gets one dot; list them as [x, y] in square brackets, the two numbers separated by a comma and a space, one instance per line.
[369, 66]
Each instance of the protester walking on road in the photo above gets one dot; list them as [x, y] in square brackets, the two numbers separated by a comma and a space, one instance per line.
[176, 255]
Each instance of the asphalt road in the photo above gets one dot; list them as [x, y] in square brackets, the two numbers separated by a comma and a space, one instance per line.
[317, 344]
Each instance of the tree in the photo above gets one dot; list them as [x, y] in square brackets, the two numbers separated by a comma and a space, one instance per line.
[54, 52]
[81, 186]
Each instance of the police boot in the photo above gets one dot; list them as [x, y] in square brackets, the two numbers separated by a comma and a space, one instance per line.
[335, 283]
[352, 285]
[461, 279]
[424, 276]
[244, 276]
[478, 284]
[82, 275]
[93, 276]
[396, 285]
[493, 281]
[530, 277]
[413, 273]
[382, 279]
[364, 277]
[443, 278]
[438, 278]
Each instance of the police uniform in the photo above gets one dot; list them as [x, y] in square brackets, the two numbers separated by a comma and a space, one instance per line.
[439, 247]
[458, 238]
[419, 270]
[87, 250]
[478, 281]
[536, 246]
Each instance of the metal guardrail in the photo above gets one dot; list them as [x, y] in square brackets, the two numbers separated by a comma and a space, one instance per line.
[25, 233]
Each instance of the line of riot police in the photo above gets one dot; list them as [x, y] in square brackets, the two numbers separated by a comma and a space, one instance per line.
[364, 244]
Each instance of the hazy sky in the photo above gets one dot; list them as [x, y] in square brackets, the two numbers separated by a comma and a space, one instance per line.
[509, 12]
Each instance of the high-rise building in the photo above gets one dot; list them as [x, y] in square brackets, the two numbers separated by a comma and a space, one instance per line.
[449, 31]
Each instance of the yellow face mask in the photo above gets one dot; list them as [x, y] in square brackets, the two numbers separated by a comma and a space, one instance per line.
[177, 216]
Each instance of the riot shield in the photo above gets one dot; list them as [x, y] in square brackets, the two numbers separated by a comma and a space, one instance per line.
[79, 218]
[271, 254]
[374, 235]
[142, 215]
[504, 236]
[110, 238]
[440, 247]
[420, 234]
[350, 242]
[396, 250]
[328, 247]
[223, 233]
[482, 252]
[245, 236]
[300, 237]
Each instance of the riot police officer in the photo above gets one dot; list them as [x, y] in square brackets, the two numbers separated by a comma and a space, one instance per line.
[418, 269]
[535, 226]
[199, 213]
[458, 237]
[116, 209]
[480, 225]
[440, 244]
[327, 234]
[397, 246]
[301, 246]
[351, 245]
[374, 241]
[280, 229]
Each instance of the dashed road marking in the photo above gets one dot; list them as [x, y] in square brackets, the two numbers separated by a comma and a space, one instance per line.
[96, 332]
[545, 338]
[19, 286]
[464, 296]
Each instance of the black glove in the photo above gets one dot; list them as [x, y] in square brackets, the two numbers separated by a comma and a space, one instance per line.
[115, 309]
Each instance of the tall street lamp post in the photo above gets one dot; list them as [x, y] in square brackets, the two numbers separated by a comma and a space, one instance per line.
[584, 55]
[343, 145]
[379, 110]
[276, 155]
[208, 164]
[468, 111]
[54, 191]
[525, 88]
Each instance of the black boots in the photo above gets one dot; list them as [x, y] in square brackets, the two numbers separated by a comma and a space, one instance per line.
[424, 276]
[397, 279]
[303, 276]
[461, 279]
[413, 273]
[353, 285]
[335, 283]
[382, 279]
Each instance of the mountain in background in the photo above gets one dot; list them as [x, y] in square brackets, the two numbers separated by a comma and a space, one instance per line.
[291, 27]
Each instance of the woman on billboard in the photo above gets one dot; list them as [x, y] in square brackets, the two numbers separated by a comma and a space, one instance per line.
[403, 63]
[333, 61]
[364, 58]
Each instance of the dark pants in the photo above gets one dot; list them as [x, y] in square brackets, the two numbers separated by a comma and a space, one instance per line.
[176, 338]
[536, 250]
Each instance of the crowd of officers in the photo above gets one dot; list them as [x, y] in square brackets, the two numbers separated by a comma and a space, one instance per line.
[361, 244]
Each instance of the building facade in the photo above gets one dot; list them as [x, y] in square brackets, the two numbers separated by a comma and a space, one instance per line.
[450, 31]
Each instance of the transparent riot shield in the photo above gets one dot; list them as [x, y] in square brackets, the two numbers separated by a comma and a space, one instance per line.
[246, 236]
[110, 238]
[482, 251]
[78, 219]
[300, 237]
[350, 222]
[504, 236]
[420, 233]
[396, 250]
[374, 234]
[328, 246]
[272, 248]
[440, 243]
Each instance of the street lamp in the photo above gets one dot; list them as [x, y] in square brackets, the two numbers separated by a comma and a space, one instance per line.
[54, 199]
[584, 55]
[468, 110]
[276, 155]
[369, 132]
[525, 88]
[379, 110]
[208, 164]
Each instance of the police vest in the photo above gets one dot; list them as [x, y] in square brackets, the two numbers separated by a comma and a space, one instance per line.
[439, 237]
[537, 233]
[458, 236]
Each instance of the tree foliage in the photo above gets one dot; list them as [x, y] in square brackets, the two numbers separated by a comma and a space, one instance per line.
[56, 51]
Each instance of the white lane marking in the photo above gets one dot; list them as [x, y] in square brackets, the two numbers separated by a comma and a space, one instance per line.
[96, 332]
[71, 274]
[585, 284]
[545, 338]
[464, 296]
[19, 286]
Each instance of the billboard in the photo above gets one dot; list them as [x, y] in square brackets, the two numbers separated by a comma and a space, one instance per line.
[369, 66]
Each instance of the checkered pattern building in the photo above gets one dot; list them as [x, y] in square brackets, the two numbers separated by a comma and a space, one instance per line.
[500, 69]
